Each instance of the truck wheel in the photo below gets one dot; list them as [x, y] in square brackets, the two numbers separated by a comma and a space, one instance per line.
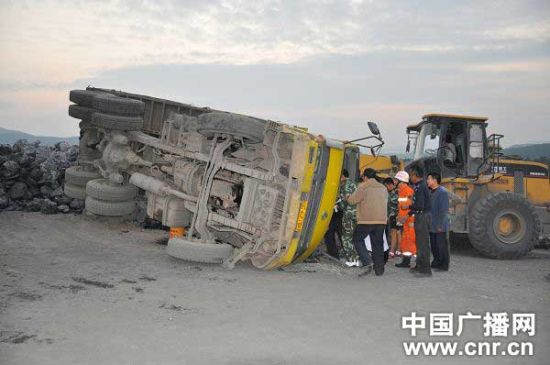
[504, 225]
[77, 176]
[83, 97]
[210, 253]
[233, 124]
[80, 112]
[106, 190]
[86, 124]
[88, 154]
[75, 192]
[112, 104]
[109, 209]
[118, 122]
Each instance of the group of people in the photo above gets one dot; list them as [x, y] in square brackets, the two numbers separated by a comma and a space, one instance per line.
[378, 220]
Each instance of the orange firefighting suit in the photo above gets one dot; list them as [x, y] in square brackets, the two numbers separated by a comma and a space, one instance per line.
[408, 238]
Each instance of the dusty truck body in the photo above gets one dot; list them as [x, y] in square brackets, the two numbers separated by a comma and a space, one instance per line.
[242, 187]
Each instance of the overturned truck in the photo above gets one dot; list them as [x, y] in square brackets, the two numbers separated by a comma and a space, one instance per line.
[242, 187]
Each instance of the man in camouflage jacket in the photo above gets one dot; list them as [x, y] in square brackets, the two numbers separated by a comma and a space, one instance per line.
[349, 219]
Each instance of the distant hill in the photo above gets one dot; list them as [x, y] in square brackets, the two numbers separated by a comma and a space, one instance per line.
[8, 136]
[529, 151]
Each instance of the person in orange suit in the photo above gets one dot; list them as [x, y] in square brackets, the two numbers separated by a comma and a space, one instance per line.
[408, 239]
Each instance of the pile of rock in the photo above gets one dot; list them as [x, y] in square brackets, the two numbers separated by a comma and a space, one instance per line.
[32, 177]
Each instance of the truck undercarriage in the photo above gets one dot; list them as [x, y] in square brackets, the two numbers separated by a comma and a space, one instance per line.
[232, 180]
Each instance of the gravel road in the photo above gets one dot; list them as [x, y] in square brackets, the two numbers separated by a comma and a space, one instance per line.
[74, 290]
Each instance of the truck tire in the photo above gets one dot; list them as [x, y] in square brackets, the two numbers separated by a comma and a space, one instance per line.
[248, 128]
[109, 209]
[77, 176]
[106, 190]
[117, 122]
[112, 104]
[81, 112]
[88, 154]
[75, 192]
[83, 97]
[209, 253]
[504, 225]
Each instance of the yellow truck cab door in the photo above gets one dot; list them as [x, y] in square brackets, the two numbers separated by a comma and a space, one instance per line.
[332, 159]
[322, 197]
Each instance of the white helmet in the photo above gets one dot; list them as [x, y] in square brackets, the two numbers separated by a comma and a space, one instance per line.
[402, 176]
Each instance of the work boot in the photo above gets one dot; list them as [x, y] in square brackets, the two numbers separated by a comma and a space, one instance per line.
[405, 262]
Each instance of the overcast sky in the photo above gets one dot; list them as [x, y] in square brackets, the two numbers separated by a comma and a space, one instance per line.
[330, 66]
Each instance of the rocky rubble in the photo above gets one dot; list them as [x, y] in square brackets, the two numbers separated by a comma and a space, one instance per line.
[32, 175]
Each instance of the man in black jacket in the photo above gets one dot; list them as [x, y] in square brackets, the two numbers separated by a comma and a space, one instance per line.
[420, 209]
[440, 222]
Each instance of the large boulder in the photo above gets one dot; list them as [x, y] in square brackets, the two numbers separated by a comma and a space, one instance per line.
[18, 191]
[48, 207]
[10, 169]
[4, 202]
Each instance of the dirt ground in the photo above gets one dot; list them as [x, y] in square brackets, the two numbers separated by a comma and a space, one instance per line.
[74, 290]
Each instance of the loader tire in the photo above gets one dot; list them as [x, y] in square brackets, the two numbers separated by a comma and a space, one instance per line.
[117, 122]
[77, 176]
[504, 225]
[106, 190]
[81, 112]
[112, 104]
[109, 209]
[84, 97]
[75, 192]
[236, 125]
[209, 253]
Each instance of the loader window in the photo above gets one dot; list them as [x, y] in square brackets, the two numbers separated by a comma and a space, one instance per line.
[476, 141]
[453, 146]
[428, 141]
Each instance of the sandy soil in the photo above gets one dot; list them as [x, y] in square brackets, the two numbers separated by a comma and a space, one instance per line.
[74, 290]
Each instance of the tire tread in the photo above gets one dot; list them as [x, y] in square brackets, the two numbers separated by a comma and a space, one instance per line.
[209, 253]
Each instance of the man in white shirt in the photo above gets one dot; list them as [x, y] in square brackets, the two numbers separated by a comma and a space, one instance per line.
[449, 149]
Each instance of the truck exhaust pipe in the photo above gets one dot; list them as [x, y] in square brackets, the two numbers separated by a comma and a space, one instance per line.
[158, 187]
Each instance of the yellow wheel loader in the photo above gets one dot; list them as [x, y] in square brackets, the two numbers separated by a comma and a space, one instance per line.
[504, 211]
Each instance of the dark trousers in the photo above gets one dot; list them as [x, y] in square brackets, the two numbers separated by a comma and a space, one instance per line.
[388, 239]
[422, 232]
[440, 249]
[376, 234]
[334, 230]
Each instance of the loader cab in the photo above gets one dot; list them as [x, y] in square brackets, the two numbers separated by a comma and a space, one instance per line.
[453, 145]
